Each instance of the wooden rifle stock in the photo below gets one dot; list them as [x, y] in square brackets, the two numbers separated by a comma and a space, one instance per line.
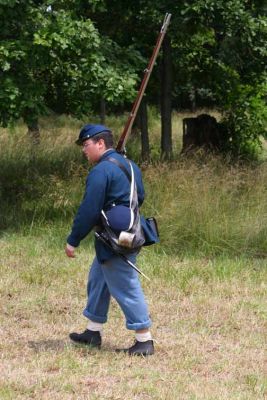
[127, 129]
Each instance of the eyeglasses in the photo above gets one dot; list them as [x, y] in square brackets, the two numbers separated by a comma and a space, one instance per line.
[86, 144]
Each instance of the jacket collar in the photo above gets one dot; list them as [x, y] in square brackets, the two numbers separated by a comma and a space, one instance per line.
[107, 154]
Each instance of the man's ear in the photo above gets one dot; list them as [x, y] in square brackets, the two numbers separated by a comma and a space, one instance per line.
[102, 142]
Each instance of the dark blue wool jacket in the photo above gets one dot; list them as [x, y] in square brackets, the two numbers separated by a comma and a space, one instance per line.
[106, 184]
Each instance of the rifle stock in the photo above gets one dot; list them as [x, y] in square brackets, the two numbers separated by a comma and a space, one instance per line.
[127, 129]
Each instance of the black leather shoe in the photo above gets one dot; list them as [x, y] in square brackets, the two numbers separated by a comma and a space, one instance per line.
[88, 337]
[140, 349]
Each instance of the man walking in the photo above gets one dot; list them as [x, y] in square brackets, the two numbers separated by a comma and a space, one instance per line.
[107, 185]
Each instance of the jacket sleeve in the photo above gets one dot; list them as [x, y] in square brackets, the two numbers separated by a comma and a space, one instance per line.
[89, 211]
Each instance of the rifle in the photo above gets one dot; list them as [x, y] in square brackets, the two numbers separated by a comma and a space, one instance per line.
[147, 72]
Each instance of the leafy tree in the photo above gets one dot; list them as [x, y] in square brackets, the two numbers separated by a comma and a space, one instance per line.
[224, 60]
[50, 57]
[138, 27]
[218, 55]
[53, 56]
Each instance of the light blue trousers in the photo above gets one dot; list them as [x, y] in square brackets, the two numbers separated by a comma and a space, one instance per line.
[117, 279]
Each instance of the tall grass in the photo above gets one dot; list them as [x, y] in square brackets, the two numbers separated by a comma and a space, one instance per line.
[210, 208]
[204, 205]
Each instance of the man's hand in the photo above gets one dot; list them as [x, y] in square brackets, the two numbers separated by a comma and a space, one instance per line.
[69, 250]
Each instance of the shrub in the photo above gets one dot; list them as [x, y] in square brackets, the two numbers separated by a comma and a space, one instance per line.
[245, 120]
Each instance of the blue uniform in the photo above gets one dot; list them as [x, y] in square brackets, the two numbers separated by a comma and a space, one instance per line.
[107, 184]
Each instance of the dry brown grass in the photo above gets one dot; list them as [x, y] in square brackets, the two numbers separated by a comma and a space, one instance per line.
[209, 329]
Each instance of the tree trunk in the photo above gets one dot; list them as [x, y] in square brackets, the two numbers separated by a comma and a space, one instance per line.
[201, 132]
[166, 86]
[136, 128]
[31, 120]
[102, 111]
[34, 136]
[145, 150]
[33, 131]
[192, 96]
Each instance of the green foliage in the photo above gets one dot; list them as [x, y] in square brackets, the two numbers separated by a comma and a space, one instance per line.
[246, 119]
[66, 55]
[226, 60]
[52, 58]
[219, 39]
[217, 47]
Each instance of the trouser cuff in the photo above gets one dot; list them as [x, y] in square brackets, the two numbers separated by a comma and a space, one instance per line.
[94, 318]
[138, 325]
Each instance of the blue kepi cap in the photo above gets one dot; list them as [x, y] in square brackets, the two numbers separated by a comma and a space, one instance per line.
[89, 131]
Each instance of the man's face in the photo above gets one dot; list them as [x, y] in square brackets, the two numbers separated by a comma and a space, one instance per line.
[93, 150]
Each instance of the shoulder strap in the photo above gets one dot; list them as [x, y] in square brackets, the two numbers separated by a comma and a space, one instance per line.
[131, 178]
[121, 166]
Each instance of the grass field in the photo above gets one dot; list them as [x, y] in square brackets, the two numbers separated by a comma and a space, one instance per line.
[209, 325]
[207, 293]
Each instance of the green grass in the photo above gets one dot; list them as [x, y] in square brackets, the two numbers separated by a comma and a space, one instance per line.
[207, 294]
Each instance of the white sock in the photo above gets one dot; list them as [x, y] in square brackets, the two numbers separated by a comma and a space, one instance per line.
[94, 326]
[143, 337]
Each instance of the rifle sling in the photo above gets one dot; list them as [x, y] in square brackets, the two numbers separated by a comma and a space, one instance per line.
[121, 166]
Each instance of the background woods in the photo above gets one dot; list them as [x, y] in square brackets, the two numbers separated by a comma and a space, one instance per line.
[79, 57]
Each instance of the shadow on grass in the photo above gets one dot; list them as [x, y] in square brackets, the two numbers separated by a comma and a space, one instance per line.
[59, 345]
[45, 345]
[40, 346]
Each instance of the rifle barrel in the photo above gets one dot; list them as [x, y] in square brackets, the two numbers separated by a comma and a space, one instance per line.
[127, 129]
